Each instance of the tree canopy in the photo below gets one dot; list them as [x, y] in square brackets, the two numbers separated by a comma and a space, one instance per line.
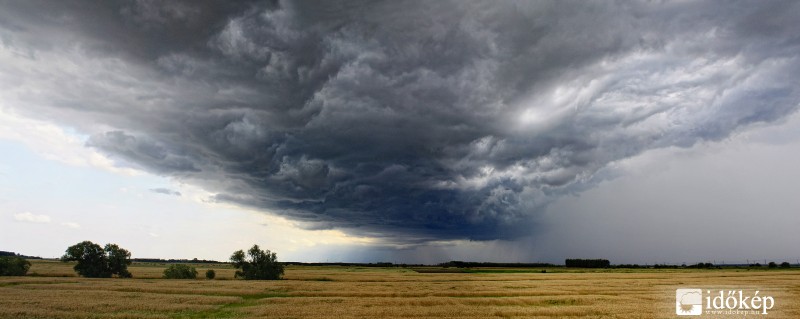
[98, 262]
[257, 264]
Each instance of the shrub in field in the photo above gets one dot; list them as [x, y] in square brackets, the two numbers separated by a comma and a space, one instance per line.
[13, 266]
[180, 271]
[786, 265]
[210, 274]
[257, 264]
[99, 262]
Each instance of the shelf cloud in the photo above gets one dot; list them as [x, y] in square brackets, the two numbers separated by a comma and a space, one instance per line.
[412, 121]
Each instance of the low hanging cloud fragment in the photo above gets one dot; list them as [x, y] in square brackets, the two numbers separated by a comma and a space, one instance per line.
[165, 191]
[411, 121]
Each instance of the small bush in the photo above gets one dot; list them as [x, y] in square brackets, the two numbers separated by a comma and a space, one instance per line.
[210, 274]
[786, 265]
[13, 266]
[180, 271]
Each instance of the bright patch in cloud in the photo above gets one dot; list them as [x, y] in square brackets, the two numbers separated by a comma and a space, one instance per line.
[54, 142]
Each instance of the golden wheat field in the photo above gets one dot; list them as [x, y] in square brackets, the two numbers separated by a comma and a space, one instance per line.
[353, 292]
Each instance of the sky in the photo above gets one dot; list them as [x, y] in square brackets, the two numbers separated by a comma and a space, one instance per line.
[403, 131]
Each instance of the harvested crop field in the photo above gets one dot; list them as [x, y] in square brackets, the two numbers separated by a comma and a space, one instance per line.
[354, 292]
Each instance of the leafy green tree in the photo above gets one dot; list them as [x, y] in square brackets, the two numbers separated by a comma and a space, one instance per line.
[118, 260]
[257, 264]
[91, 259]
[786, 264]
[14, 266]
[98, 262]
[180, 271]
[210, 274]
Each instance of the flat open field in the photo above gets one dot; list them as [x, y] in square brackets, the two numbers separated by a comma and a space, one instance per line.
[352, 292]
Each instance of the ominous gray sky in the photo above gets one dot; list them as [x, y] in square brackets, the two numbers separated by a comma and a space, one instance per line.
[409, 121]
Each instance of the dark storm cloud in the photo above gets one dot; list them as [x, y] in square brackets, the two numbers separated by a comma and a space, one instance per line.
[413, 121]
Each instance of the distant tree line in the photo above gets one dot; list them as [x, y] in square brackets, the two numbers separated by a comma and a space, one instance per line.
[772, 264]
[472, 264]
[587, 263]
[701, 266]
[171, 261]
[344, 264]
[13, 254]
[655, 266]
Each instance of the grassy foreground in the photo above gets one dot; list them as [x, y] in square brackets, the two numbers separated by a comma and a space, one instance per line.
[344, 292]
